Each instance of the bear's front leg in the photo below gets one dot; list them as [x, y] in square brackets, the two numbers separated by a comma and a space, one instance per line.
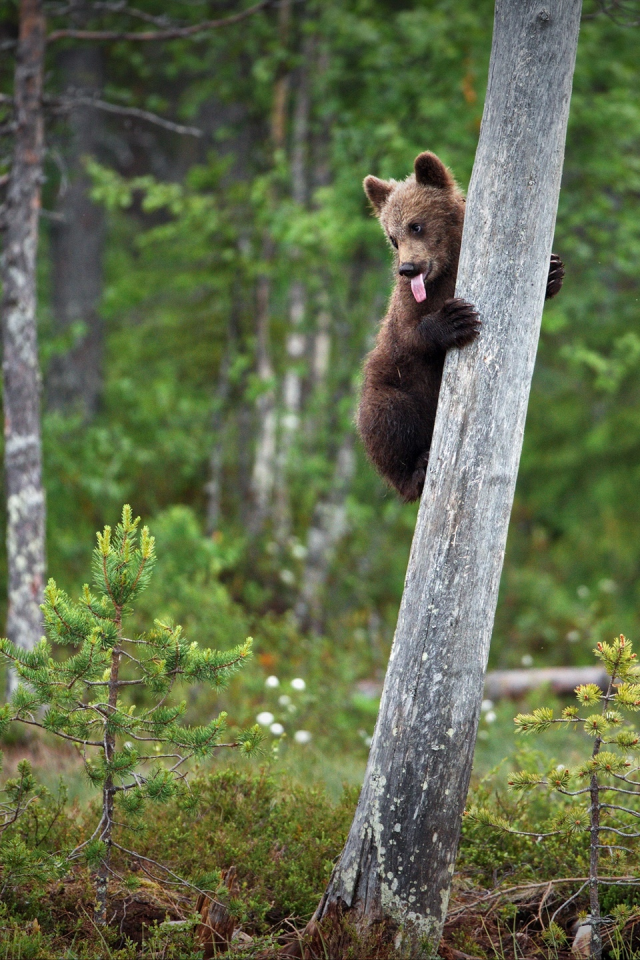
[556, 276]
[455, 325]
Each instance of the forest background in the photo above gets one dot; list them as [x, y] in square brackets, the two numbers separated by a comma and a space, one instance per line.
[205, 302]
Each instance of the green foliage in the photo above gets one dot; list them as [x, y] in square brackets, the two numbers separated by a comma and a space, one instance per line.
[281, 837]
[84, 692]
[140, 754]
[28, 813]
[605, 810]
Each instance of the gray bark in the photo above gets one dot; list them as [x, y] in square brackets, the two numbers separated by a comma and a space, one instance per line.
[399, 858]
[21, 389]
[74, 379]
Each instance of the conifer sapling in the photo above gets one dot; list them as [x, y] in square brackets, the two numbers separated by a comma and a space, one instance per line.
[609, 771]
[132, 755]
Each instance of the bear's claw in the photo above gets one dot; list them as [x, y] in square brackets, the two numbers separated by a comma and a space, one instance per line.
[460, 323]
[556, 276]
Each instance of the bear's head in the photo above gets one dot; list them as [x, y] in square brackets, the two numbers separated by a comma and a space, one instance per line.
[422, 217]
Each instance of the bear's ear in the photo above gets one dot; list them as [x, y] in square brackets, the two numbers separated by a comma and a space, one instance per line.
[378, 192]
[431, 172]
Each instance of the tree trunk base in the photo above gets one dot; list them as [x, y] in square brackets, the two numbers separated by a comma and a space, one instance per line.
[341, 933]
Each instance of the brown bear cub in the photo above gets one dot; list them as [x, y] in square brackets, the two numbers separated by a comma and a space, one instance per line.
[422, 218]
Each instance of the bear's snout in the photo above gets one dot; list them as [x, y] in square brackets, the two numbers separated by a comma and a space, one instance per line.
[408, 269]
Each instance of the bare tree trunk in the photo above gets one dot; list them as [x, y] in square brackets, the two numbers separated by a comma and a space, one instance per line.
[328, 527]
[213, 487]
[394, 876]
[289, 420]
[23, 446]
[263, 476]
[74, 379]
[321, 351]
[264, 468]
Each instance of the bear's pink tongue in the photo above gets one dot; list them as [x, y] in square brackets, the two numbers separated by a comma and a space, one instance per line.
[417, 288]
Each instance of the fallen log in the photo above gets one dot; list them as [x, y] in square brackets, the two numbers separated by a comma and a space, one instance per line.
[513, 684]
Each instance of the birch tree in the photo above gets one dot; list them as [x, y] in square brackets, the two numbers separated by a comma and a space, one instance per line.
[263, 475]
[19, 221]
[21, 372]
[392, 882]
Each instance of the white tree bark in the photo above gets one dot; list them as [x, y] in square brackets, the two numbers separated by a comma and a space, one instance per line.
[399, 857]
[21, 372]
[263, 475]
[328, 526]
[296, 342]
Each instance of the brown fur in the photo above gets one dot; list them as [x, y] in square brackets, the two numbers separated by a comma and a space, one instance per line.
[403, 372]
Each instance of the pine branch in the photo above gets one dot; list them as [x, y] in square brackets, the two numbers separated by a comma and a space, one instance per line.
[613, 806]
[497, 894]
[65, 736]
[121, 7]
[68, 103]
[570, 900]
[620, 833]
[175, 33]
[178, 879]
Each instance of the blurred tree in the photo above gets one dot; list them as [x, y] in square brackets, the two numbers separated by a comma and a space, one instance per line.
[20, 368]
[74, 378]
[79, 254]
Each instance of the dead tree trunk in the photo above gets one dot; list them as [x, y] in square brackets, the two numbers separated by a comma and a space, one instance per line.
[74, 379]
[395, 872]
[23, 447]
[328, 526]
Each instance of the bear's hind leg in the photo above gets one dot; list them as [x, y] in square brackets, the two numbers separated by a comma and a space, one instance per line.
[411, 489]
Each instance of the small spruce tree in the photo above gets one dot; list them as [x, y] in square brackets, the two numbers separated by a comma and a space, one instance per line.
[611, 770]
[136, 755]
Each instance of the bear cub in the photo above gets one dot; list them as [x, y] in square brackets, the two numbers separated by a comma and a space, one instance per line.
[422, 218]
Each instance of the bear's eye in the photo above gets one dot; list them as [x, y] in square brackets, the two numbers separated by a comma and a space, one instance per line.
[394, 242]
[415, 227]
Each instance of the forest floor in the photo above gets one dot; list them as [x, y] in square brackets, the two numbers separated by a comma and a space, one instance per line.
[265, 844]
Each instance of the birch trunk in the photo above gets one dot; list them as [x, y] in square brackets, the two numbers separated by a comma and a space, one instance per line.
[289, 420]
[328, 527]
[393, 879]
[264, 467]
[263, 475]
[23, 446]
